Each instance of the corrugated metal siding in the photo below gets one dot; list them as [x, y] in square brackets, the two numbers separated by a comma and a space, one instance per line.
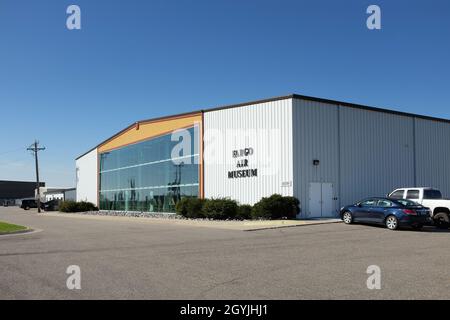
[315, 130]
[272, 151]
[433, 155]
[362, 153]
[377, 153]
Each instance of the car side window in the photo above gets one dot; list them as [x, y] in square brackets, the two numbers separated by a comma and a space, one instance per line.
[397, 194]
[384, 203]
[412, 194]
[369, 203]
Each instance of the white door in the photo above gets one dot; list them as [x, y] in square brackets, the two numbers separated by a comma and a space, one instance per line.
[320, 200]
[315, 200]
[327, 200]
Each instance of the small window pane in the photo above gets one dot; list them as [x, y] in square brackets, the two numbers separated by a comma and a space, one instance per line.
[384, 203]
[397, 194]
[407, 203]
[432, 194]
[412, 194]
[369, 203]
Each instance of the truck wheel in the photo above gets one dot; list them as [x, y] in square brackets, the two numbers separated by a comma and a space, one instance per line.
[441, 220]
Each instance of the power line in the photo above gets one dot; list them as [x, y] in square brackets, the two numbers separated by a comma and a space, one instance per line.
[35, 149]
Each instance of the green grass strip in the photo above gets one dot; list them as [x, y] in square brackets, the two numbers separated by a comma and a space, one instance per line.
[8, 228]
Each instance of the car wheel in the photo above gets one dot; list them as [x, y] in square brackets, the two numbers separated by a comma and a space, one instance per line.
[441, 220]
[392, 222]
[27, 208]
[347, 217]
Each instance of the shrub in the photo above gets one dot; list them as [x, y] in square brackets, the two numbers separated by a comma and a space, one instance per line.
[67, 206]
[84, 206]
[190, 207]
[181, 207]
[72, 206]
[273, 207]
[276, 207]
[244, 212]
[293, 207]
[220, 209]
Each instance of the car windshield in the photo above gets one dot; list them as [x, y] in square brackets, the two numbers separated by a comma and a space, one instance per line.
[407, 203]
[432, 194]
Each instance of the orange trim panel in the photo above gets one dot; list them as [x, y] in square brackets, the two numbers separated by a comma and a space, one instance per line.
[146, 130]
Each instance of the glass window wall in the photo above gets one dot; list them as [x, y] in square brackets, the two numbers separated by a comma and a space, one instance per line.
[144, 177]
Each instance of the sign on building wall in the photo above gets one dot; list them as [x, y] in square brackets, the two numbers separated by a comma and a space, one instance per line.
[243, 165]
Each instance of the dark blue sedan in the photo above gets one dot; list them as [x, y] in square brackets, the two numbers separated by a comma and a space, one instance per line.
[393, 213]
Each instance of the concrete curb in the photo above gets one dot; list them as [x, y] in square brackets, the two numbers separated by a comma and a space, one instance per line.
[21, 232]
[293, 225]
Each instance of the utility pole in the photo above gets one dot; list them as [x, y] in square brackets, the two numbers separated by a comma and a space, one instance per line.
[35, 149]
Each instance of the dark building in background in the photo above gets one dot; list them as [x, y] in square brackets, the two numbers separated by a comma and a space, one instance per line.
[10, 191]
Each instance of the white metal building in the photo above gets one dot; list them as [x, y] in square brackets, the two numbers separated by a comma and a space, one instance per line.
[326, 153]
[64, 194]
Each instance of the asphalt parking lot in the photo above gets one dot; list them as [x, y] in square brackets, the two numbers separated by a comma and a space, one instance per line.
[128, 259]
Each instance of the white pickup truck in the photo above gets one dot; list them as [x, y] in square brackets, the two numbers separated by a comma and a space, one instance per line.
[428, 197]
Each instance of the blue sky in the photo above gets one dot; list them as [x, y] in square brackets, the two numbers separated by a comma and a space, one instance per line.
[136, 60]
